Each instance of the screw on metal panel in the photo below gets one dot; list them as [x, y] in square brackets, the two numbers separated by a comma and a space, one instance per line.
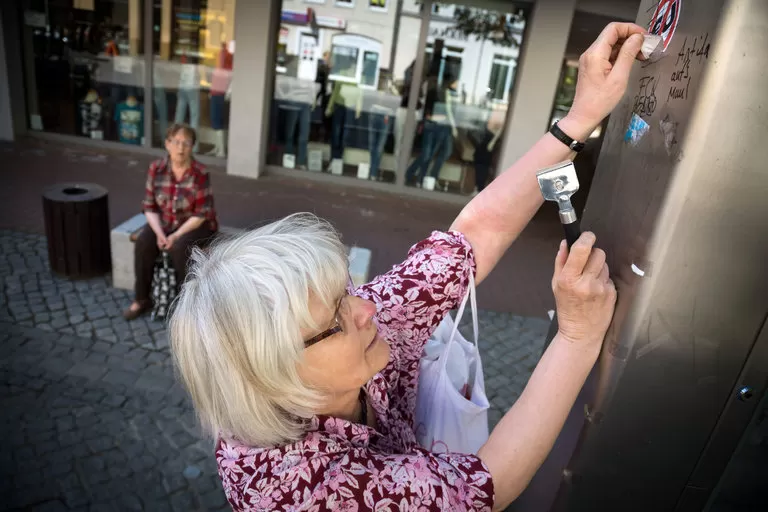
[745, 393]
[559, 185]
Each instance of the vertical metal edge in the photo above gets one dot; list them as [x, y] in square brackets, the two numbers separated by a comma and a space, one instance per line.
[409, 130]
[149, 103]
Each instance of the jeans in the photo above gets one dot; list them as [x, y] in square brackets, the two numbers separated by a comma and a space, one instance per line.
[437, 142]
[338, 118]
[217, 111]
[161, 110]
[188, 98]
[481, 175]
[379, 126]
[297, 113]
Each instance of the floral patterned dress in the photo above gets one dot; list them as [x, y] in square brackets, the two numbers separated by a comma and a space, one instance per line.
[345, 466]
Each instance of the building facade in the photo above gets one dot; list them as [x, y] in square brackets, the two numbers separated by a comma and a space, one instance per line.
[417, 97]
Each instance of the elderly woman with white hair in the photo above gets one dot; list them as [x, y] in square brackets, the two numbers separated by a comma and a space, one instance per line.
[309, 385]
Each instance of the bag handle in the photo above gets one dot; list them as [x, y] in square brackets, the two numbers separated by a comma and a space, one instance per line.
[471, 294]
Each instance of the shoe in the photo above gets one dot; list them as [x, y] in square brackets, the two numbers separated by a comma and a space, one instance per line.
[132, 314]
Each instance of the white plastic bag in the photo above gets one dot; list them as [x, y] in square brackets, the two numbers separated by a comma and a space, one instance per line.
[451, 406]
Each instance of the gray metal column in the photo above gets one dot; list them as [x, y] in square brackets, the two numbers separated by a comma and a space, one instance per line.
[679, 204]
[409, 130]
[256, 26]
[538, 69]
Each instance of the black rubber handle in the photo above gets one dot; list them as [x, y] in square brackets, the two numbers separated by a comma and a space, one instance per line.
[572, 232]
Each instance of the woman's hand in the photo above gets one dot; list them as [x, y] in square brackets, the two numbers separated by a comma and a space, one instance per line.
[162, 240]
[169, 241]
[584, 293]
[604, 73]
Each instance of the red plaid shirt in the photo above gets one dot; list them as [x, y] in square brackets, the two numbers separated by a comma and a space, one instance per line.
[177, 201]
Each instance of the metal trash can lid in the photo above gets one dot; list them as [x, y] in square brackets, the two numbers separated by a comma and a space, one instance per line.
[74, 192]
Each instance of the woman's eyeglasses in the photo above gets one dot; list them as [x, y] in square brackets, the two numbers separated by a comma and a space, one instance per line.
[328, 332]
[180, 143]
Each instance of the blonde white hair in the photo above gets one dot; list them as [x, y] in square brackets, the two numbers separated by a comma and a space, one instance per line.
[235, 330]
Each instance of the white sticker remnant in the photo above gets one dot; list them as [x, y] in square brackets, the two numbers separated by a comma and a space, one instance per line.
[650, 43]
[669, 131]
[638, 270]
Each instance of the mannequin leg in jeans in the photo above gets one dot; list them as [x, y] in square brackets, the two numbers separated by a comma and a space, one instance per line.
[304, 120]
[378, 129]
[338, 118]
[419, 166]
[443, 148]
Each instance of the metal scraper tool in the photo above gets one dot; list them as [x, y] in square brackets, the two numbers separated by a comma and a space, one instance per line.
[558, 183]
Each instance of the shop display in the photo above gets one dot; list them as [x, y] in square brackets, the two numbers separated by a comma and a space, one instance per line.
[130, 121]
[188, 95]
[221, 82]
[91, 123]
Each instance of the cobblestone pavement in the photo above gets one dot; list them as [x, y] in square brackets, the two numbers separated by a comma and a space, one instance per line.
[92, 416]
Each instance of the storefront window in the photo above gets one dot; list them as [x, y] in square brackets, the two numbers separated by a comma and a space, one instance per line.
[193, 70]
[471, 56]
[343, 85]
[336, 107]
[84, 68]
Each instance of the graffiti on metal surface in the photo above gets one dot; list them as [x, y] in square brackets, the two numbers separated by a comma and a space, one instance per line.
[645, 99]
[691, 52]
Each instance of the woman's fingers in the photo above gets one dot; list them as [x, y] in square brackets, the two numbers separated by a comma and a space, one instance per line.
[579, 255]
[605, 274]
[613, 33]
[627, 55]
[595, 263]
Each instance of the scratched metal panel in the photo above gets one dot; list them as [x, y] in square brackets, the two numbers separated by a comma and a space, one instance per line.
[686, 204]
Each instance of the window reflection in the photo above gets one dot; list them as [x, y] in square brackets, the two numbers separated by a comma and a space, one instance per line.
[344, 77]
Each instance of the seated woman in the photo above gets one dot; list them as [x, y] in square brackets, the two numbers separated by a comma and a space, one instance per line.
[178, 204]
[309, 385]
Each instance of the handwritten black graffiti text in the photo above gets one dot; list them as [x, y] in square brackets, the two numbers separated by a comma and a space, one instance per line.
[681, 76]
[645, 99]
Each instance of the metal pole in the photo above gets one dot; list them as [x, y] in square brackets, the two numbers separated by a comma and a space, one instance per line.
[149, 105]
[409, 131]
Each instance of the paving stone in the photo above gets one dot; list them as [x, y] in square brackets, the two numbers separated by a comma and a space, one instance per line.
[76, 319]
[88, 370]
[101, 323]
[121, 377]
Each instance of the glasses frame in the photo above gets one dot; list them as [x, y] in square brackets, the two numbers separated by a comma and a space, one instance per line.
[328, 332]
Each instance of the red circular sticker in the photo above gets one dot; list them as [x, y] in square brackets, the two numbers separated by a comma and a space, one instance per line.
[664, 20]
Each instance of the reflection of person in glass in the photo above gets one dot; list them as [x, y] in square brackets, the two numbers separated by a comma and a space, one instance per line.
[439, 129]
[178, 205]
[486, 145]
[309, 384]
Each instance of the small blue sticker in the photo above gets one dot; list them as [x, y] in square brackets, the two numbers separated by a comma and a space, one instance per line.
[637, 128]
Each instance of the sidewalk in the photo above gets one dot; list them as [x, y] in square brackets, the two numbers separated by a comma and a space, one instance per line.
[387, 224]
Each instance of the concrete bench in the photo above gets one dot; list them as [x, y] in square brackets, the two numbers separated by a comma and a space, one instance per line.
[123, 237]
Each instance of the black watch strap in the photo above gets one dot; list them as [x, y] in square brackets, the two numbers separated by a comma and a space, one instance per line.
[565, 139]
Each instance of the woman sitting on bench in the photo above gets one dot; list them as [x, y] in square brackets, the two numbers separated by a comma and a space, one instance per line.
[178, 204]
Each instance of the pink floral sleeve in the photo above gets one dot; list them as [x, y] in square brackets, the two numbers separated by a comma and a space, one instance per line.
[415, 295]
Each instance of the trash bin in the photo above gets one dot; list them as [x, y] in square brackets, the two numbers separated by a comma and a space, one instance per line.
[77, 229]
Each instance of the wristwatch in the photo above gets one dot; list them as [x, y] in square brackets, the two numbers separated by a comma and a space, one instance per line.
[565, 139]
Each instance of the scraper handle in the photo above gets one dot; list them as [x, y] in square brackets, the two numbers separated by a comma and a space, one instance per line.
[572, 232]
